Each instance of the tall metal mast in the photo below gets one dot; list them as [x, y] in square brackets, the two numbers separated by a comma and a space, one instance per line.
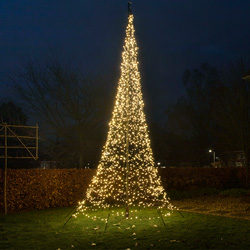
[129, 8]
[127, 133]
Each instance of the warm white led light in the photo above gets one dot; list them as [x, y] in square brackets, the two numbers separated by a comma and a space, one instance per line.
[126, 173]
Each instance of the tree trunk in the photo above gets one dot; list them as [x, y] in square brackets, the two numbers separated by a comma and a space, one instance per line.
[80, 160]
[81, 152]
[247, 170]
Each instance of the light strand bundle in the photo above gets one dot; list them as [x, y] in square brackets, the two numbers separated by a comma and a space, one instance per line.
[139, 183]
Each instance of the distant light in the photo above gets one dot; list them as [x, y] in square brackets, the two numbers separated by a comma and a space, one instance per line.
[158, 163]
[210, 151]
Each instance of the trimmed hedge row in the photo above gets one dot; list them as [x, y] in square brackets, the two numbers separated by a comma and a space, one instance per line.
[38, 189]
[193, 178]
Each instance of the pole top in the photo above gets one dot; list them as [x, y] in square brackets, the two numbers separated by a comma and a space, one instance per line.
[129, 7]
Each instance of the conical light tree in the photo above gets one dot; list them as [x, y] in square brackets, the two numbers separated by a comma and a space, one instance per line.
[126, 174]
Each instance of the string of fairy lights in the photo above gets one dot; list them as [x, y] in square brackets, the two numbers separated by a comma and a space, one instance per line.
[126, 173]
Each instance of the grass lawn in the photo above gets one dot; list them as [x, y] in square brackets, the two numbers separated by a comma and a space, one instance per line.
[43, 229]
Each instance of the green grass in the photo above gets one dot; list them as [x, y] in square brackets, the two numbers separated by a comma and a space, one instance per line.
[43, 229]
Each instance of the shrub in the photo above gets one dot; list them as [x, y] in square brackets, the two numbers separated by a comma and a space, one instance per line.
[38, 188]
[178, 195]
[235, 192]
[197, 178]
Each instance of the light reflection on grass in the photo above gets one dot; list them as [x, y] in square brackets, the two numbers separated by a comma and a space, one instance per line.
[43, 229]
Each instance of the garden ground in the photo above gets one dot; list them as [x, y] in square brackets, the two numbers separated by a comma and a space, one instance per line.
[234, 207]
[43, 229]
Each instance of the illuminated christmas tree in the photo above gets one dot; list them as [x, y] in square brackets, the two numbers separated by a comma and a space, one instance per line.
[126, 174]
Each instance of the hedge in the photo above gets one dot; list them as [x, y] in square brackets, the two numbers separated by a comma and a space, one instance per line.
[193, 178]
[38, 188]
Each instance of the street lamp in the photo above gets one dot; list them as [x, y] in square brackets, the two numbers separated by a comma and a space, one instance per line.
[212, 151]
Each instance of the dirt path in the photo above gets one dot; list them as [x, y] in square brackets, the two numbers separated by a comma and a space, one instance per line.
[235, 207]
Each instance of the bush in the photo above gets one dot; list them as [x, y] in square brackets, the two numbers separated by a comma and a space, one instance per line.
[178, 195]
[39, 188]
[199, 178]
[235, 192]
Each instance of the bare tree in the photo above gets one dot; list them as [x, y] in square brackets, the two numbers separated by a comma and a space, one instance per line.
[72, 105]
[189, 120]
[215, 111]
[232, 111]
[12, 114]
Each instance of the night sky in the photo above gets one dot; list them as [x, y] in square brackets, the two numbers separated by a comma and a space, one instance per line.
[172, 36]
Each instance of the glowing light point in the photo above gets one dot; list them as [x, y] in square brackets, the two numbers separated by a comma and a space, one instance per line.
[126, 174]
